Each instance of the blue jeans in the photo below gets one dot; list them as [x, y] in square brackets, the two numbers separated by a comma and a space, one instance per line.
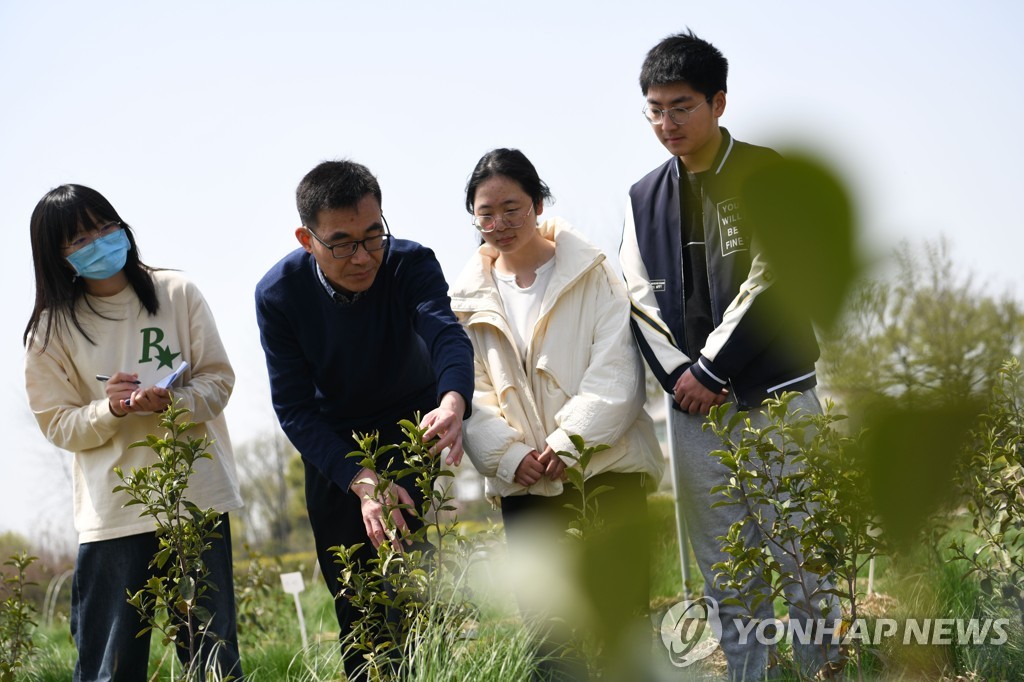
[105, 626]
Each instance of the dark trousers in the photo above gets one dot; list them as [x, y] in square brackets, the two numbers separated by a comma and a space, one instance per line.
[613, 563]
[336, 518]
[105, 626]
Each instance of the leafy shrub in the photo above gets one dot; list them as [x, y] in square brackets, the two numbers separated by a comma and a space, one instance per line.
[16, 615]
[991, 480]
[260, 603]
[400, 595]
[170, 601]
[805, 486]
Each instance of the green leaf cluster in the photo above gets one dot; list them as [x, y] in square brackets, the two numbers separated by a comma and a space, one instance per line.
[925, 334]
[16, 618]
[804, 484]
[806, 227]
[171, 602]
[991, 481]
[914, 360]
[587, 517]
[261, 607]
[422, 591]
[401, 593]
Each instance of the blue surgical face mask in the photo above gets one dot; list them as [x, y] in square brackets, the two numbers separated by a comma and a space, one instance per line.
[102, 258]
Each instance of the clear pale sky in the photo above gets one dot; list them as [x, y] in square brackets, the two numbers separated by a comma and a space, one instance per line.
[197, 120]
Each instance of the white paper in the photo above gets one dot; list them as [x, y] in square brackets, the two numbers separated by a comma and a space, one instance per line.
[170, 378]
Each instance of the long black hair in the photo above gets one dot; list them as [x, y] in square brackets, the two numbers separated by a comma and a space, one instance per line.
[57, 218]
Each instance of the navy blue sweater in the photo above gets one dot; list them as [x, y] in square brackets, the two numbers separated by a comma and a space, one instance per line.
[337, 368]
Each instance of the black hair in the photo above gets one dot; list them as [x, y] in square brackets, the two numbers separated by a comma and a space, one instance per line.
[331, 185]
[58, 217]
[512, 164]
[685, 58]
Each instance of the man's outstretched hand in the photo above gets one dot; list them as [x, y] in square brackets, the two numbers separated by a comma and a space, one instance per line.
[445, 423]
[373, 504]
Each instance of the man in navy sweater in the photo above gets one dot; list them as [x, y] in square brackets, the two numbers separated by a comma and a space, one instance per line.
[358, 333]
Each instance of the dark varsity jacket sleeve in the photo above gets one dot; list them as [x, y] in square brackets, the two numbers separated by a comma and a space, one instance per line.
[657, 344]
[752, 321]
[742, 333]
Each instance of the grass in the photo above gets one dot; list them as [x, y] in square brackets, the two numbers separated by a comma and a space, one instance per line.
[666, 577]
[275, 654]
[280, 658]
[498, 646]
[923, 585]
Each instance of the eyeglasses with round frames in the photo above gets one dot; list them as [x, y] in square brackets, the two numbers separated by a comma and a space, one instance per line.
[348, 249]
[678, 115]
[83, 239]
[511, 219]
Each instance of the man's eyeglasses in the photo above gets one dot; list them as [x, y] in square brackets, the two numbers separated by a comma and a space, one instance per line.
[511, 219]
[678, 115]
[348, 249]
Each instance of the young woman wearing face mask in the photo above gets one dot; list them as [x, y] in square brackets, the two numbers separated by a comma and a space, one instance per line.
[555, 357]
[104, 330]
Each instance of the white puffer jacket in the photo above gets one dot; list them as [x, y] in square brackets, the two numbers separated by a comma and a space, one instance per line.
[583, 373]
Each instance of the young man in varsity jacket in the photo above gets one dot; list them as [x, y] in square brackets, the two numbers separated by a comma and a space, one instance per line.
[702, 314]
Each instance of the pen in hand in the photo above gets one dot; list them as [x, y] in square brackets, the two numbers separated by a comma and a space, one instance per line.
[104, 377]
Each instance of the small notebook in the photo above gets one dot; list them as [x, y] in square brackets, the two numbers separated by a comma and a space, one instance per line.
[170, 378]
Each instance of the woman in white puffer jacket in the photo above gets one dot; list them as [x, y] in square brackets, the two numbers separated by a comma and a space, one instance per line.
[555, 357]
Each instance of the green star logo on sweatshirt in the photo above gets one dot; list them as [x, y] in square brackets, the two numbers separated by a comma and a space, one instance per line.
[166, 357]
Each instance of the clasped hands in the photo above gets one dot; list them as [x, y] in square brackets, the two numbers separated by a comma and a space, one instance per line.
[535, 465]
[694, 397]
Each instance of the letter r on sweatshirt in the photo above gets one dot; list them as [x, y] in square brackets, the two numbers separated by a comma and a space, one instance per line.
[151, 338]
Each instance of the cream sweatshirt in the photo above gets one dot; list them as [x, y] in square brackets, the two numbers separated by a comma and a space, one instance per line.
[72, 410]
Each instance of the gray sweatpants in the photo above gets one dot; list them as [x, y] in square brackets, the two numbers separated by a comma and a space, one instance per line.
[696, 473]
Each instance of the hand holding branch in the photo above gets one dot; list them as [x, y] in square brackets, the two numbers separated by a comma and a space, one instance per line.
[445, 422]
[373, 505]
